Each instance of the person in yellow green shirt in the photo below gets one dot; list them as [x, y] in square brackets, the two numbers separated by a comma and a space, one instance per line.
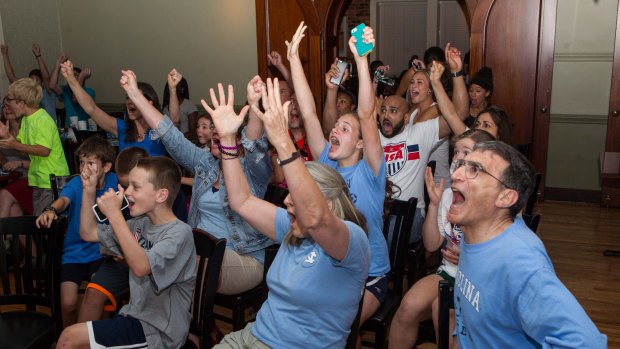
[38, 137]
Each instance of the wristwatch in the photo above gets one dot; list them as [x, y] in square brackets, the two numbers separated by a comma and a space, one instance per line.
[293, 157]
[457, 74]
[50, 208]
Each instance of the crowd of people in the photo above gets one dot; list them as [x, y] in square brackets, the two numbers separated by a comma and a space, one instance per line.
[372, 146]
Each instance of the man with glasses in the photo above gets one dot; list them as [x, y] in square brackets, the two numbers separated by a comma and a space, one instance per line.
[506, 293]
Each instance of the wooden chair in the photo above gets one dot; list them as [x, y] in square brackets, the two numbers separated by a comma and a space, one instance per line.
[59, 182]
[401, 215]
[532, 221]
[30, 282]
[445, 303]
[210, 252]
[255, 297]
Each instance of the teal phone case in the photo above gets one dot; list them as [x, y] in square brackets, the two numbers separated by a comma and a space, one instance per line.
[362, 47]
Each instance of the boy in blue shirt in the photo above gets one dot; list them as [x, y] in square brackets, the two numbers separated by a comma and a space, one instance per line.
[80, 259]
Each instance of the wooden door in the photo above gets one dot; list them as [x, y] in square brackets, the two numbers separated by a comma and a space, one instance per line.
[612, 143]
[516, 39]
[276, 22]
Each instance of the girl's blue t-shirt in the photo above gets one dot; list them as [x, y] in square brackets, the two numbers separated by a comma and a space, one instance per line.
[154, 148]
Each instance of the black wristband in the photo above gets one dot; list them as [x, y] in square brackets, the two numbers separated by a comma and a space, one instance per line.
[293, 157]
[37, 56]
[457, 74]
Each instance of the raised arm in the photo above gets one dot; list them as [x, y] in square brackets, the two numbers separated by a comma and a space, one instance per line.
[330, 111]
[174, 109]
[36, 51]
[255, 127]
[373, 151]
[53, 83]
[275, 60]
[88, 226]
[129, 83]
[8, 67]
[305, 101]
[258, 213]
[431, 236]
[450, 120]
[310, 209]
[103, 119]
[405, 81]
[460, 96]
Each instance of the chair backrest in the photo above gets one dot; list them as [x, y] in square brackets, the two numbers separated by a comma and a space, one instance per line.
[445, 295]
[275, 194]
[210, 253]
[59, 182]
[531, 201]
[532, 221]
[397, 229]
[32, 280]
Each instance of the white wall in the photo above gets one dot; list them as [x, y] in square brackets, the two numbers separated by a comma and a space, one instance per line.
[584, 46]
[207, 40]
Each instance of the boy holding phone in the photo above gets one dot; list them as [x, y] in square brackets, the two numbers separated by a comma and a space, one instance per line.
[159, 250]
[80, 259]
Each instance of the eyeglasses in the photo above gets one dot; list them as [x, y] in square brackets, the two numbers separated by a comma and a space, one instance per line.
[472, 169]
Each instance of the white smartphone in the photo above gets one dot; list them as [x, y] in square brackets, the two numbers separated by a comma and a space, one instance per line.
[342, 66]
[101, 217]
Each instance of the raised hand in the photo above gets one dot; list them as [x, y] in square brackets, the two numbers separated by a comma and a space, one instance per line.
[368, 37]
[434, 192]
[418, 64]
[62, 58]
[255, 90]
[88, 176]
[226, 121]
[453, 57]
[274, 58]
[333, 72]
[293, 46]
[84, 74]
[36, 50]
[275, 117]
[66, 69]
[110, 202]
[436, 71]
[129, 81]
[174, 77]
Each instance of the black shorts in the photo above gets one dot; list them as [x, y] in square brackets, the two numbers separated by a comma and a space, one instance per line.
[78, 272]
[378, 286]
[112, 280]
[117, 332]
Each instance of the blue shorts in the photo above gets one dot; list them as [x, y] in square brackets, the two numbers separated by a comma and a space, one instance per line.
[112, 279]
[378, 286]
[117, 332]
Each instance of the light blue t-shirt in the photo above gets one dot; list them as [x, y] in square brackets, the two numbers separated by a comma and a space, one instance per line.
[76, 250]
[313, 298]
[367, 193]
[48, 102]
[154, 148]
[212, 219]
[506, 295]
[73, 108]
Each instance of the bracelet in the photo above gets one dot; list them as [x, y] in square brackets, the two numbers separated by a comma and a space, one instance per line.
[457, 74]
[228, 148]
[224, 152]
[37, 56]
[293, 157]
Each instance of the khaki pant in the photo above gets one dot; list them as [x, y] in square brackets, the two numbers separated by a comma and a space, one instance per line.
[241, 340]
[41, 198]
[239, 273]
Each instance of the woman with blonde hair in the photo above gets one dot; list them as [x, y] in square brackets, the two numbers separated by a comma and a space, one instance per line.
[317, 278]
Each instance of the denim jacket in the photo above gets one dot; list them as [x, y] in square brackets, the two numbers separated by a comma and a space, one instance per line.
[256, 165]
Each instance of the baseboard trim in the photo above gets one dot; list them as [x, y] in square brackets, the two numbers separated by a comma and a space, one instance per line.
[574, 195]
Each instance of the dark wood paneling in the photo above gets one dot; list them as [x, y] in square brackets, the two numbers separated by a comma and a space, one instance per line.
[511, 50]
[613, 122]
[573, 195]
